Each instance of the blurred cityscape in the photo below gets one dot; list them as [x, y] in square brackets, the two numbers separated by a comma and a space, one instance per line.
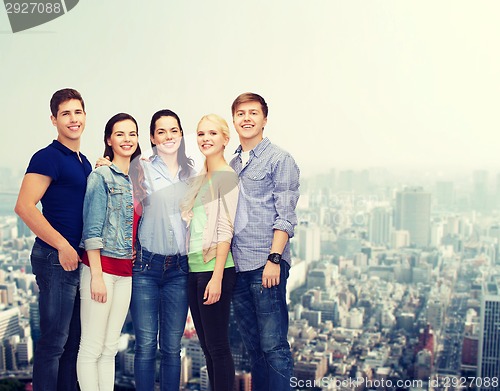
[394, 286]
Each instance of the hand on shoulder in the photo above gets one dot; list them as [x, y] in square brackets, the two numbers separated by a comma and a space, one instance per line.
[103, 161]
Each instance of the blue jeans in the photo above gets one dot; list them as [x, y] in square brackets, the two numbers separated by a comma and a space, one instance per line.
[262, 317]
[159, 295]
[54, 366]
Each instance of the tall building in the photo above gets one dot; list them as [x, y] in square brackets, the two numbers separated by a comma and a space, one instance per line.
[10, 345]
[204, 380]
[24, 351]
[9, 323]
[355, 181]
[193, 350]
[186, 368]
[480, 191]
[22, 229]
[400, 239]
[489, 332]
[497, 191]
[242, 381]
[3, 359]
[445, 195]
[413, 214]
[435, 313]
[10, 290]
[379, 229]
[308, 240]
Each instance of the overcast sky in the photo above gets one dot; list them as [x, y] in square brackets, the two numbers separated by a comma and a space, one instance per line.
[350, 84]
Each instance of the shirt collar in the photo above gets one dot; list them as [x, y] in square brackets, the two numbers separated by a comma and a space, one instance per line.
[156, 159]
[258, 149]
[61, 147]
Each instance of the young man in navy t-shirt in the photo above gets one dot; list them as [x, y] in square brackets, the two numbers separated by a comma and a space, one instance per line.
[57, 176]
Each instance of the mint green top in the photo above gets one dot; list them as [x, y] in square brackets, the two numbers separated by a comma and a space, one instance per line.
[197, 226]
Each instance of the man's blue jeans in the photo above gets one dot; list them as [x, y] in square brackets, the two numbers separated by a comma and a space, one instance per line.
[262, 317]
[54, 366]
[159, 295]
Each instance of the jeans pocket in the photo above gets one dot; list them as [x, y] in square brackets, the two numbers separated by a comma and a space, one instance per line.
[43, 272]
[53, 258]
[266, 299]
[40, 253]
[138, 266]
[182, 265]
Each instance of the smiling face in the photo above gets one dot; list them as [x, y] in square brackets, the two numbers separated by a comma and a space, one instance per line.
[211, 140]
[249, 122]
[124, 139]
[69, 121]
[167, 136]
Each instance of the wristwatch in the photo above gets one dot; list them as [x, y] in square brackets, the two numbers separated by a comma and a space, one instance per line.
[274, 258]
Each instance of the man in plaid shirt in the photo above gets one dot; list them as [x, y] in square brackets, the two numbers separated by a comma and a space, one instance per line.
[264, 224]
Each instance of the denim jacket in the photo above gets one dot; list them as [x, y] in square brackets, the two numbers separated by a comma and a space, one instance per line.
[108, 213]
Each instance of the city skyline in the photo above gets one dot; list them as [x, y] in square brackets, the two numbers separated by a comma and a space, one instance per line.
[391, 84]
[364, 304]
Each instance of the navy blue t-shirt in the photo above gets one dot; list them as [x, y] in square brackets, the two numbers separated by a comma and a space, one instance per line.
[62, 203]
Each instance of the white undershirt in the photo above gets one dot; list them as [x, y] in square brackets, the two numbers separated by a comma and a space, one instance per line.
[245, 157]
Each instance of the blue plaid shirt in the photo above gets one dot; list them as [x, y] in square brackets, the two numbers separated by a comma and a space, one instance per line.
[269, 191]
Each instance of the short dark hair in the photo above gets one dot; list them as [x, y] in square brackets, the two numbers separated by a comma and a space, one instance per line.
[62, 96]
[250, 97]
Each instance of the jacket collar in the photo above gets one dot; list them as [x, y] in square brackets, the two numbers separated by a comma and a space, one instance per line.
[116, 169]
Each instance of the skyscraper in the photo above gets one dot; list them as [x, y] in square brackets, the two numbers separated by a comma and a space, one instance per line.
[9, 323]
[480, 191]
[488, 365]
[379, 229]
[308, 240]
[413, 214]
[445, 195]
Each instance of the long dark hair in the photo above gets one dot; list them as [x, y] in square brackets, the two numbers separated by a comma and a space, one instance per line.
[135, 171]
[185, 163]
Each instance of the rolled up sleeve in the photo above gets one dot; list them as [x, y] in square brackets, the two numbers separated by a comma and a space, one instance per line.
[286, 194]
[94, 212]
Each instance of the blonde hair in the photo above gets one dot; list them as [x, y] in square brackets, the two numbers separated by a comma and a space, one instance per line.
[187, 204]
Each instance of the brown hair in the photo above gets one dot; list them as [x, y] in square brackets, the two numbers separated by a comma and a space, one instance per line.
[249, 97]
[62, 96]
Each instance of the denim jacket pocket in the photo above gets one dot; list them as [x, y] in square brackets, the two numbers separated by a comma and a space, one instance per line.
[115, 196]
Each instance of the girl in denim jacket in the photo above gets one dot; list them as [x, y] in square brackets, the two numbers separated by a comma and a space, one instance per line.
[109, 230]
[159, 303]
